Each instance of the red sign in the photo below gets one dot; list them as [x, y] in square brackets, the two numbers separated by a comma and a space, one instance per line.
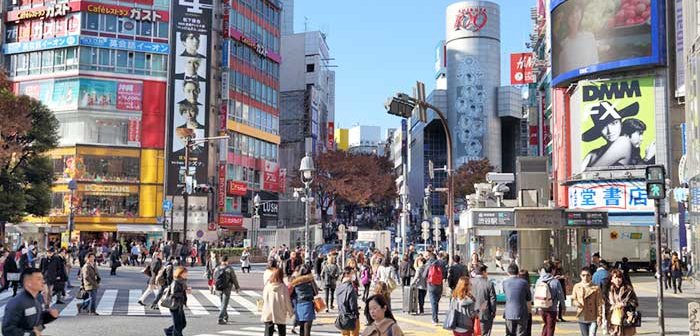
[230, 220]
[271, 176]
[533, 135]
[46, 12]
[234, 188]
[134, 130]
[222, 187]
[283, 180]
[471, 19]
[331, 135]
[211, 226]
[521, 69]
[129, 96]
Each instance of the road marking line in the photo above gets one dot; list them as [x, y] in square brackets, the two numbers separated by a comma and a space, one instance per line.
[240, 333]
[317, 333]
[135, 309]
[195, 307]
[7, 294]
[106, 305]
[217, 301]
[252, 307]
[251, 293]
[70, 310]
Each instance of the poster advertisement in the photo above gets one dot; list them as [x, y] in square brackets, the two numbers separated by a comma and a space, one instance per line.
[98, 94]
[521, 69]
[129, 96]
[90, 94]
[189, 100]
[613, 124]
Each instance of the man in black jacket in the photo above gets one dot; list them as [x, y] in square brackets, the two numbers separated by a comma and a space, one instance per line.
[151, 286]
[25, 314]
[348, 310]
[485, 299]
[54, 271]
[456, 271]
[226, 273]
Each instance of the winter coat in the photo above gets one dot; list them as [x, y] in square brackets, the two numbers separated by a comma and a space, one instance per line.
[346, 298]
[455, 272]
[676, 268]
[179, 293]
[384, 273]
[485, 297]
[405, 269]
[419, 280]
[90, 277]
[626, 296]
[465, 322]
[329, 275]
[155, 265]
[245, 259]
[588, 299]
[382, 328]
[277, 305]
[303, 292]
[212, 264]
[53, 269]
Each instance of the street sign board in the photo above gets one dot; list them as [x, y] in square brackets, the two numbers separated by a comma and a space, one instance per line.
[167, 205]
[538, 218]
[436, 221]
[425, 225]
[493, 218]
[586, 219]
[425, 235]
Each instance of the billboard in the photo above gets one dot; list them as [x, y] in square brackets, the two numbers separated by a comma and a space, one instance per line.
[189, 99]
[613, 124]
[521, 69]
[614, 196]
[84, 93]
[594, 36]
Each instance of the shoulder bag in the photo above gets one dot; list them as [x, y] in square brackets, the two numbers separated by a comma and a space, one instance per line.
[169, 301]
[631, 317]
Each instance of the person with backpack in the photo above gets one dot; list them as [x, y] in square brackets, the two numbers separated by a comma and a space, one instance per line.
[518, 296]
[224, 281]
[348, 321]
[549, 299]
[164, 278]
[455, 272]
[433, 275]
[329, 275]
[365, 278]
[153, 270]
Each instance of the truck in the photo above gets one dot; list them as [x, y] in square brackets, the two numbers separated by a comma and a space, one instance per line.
[633, 242]
[374, 239]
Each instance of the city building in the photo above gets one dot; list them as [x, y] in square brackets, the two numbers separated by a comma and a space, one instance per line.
[366, 139]
[689, 58]
[341, 139]
[93, 64]
[250, 116]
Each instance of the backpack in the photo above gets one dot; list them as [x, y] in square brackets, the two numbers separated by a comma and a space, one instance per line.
[160, 277]
[435, 274]
[543, 295]
[364, 277]
[222, 281]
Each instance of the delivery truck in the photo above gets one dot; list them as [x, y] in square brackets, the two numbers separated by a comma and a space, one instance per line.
[633, 242]
[374, 239]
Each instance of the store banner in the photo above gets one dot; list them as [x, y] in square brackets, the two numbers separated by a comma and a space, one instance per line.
[191, 31]
[613, 196]
[235, 188]
[613, 124]
[221, 188]
[98, 94]
[521, 69]
[134, 131]
[271, 176]
[283, 180]
[129, 96]
[331, 135]
[226, 220]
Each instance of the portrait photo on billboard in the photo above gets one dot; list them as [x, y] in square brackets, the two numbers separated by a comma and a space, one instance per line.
[616, 125]
[597, 35]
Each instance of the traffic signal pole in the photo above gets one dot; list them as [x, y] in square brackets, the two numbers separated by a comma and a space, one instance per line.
[185, 192]
[660, 280]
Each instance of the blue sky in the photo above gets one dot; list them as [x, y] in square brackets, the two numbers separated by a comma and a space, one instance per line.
[384, 46]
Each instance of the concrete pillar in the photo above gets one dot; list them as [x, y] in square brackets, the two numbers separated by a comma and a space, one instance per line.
[533, 249]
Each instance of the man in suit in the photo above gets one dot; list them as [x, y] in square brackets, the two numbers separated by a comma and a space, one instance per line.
[518, 294]
[191, 67]
[485, 297]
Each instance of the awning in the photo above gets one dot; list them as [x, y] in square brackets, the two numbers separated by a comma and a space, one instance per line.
[138, 228]
[95, 227]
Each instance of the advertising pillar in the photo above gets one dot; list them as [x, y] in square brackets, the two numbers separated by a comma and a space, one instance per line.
[473, 50]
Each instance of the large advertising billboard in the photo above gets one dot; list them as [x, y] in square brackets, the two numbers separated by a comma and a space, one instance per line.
[613, 125]
[590, 36]
[85, 93]
[189, 98]
[613, 196]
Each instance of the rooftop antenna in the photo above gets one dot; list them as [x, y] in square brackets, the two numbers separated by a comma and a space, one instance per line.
[306, 24]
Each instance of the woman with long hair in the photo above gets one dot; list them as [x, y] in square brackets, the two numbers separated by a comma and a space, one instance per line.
[463, 301]
[277, 305]
[179, 291]
[386, 273]
[420, 281]
[676, 273]
[623, 299]
[303, 292]
[366, 279]
[329, 277]
[211, 265]
[380, 320]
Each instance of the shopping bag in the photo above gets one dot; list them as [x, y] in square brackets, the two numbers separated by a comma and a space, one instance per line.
[319, 304]
[616, 317]
[477, 326]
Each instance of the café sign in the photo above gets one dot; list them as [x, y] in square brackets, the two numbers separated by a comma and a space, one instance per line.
[49, 12]
[234, 188]
[136, 14]
[259, 48]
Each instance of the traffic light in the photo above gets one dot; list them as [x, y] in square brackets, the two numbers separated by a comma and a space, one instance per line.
[203, 189]
[656, 182]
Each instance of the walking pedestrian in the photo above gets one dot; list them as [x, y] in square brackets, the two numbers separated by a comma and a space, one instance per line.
[135, 252]
[623, 299]
[303, 292]
[525, 275]
[601, 278]
[387, 274]
[517, 292]
[212, 264]
[11, 273]
[433, 275]
[178, 291]
[25, 314]
[225, 280]
[348, 321]
[318, 265]
[588, 299]
[381, 321]
[456, 272]
[499, 259]
[474, 263]
[114, 261]
[365, 279]
[151, 285]
[549, 305]
[463, 301]
[666, 270]
[90, 278]
[676, 273]
[277, 305]
[558, 273]
[245, 260]
[54, 272]
[329, 274]
[485, 297]
[421, 284]
[67, 266]
[164, 279]
[405, 270]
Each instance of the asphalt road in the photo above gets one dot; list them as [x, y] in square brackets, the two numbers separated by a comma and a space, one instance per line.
[121, 315]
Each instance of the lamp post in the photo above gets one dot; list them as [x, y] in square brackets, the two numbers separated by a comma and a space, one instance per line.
[72, 186]
[256, 221]
[306, 170]
[189, 144]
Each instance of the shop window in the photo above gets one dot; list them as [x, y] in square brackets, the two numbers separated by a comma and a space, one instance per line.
[111, 168]
[146, 28]
[47, 60]
[104, 204]
[60, 204]
[63, 167]
[163, 30]
[121, 61]
[72, 58]
[34, 63]
[113, 132]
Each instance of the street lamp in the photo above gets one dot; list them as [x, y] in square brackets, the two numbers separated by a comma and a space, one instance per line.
[256, 220]
[306, 170]
[189, 145]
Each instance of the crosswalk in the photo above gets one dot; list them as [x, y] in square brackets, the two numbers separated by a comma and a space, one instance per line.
[260, 331]
[124, 302]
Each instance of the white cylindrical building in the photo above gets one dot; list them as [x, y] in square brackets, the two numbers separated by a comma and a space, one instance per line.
[473, 46]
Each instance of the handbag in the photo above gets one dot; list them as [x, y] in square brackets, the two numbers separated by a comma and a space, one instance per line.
[616, 317]
[450, 320]
[82, 294]
[319, 304]
[259, 303]
[477, 326]
[632, 318]
[169, 301]
[343, 322]
[391, 284]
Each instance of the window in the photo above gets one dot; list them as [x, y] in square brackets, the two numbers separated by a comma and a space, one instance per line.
[146, 28]
[310, 67]
[163, 30]
[47, 60]
[110, 23]
[92, 21]
[34, 63]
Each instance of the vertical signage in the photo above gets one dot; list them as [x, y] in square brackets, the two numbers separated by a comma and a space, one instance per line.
[190, 29]
[521, 69]
[221, 188]
[331, 135]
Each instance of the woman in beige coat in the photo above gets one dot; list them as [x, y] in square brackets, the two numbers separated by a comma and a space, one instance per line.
[277, 305]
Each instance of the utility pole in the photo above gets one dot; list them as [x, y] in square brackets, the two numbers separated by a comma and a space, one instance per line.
[656, 190]
[188, 187]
